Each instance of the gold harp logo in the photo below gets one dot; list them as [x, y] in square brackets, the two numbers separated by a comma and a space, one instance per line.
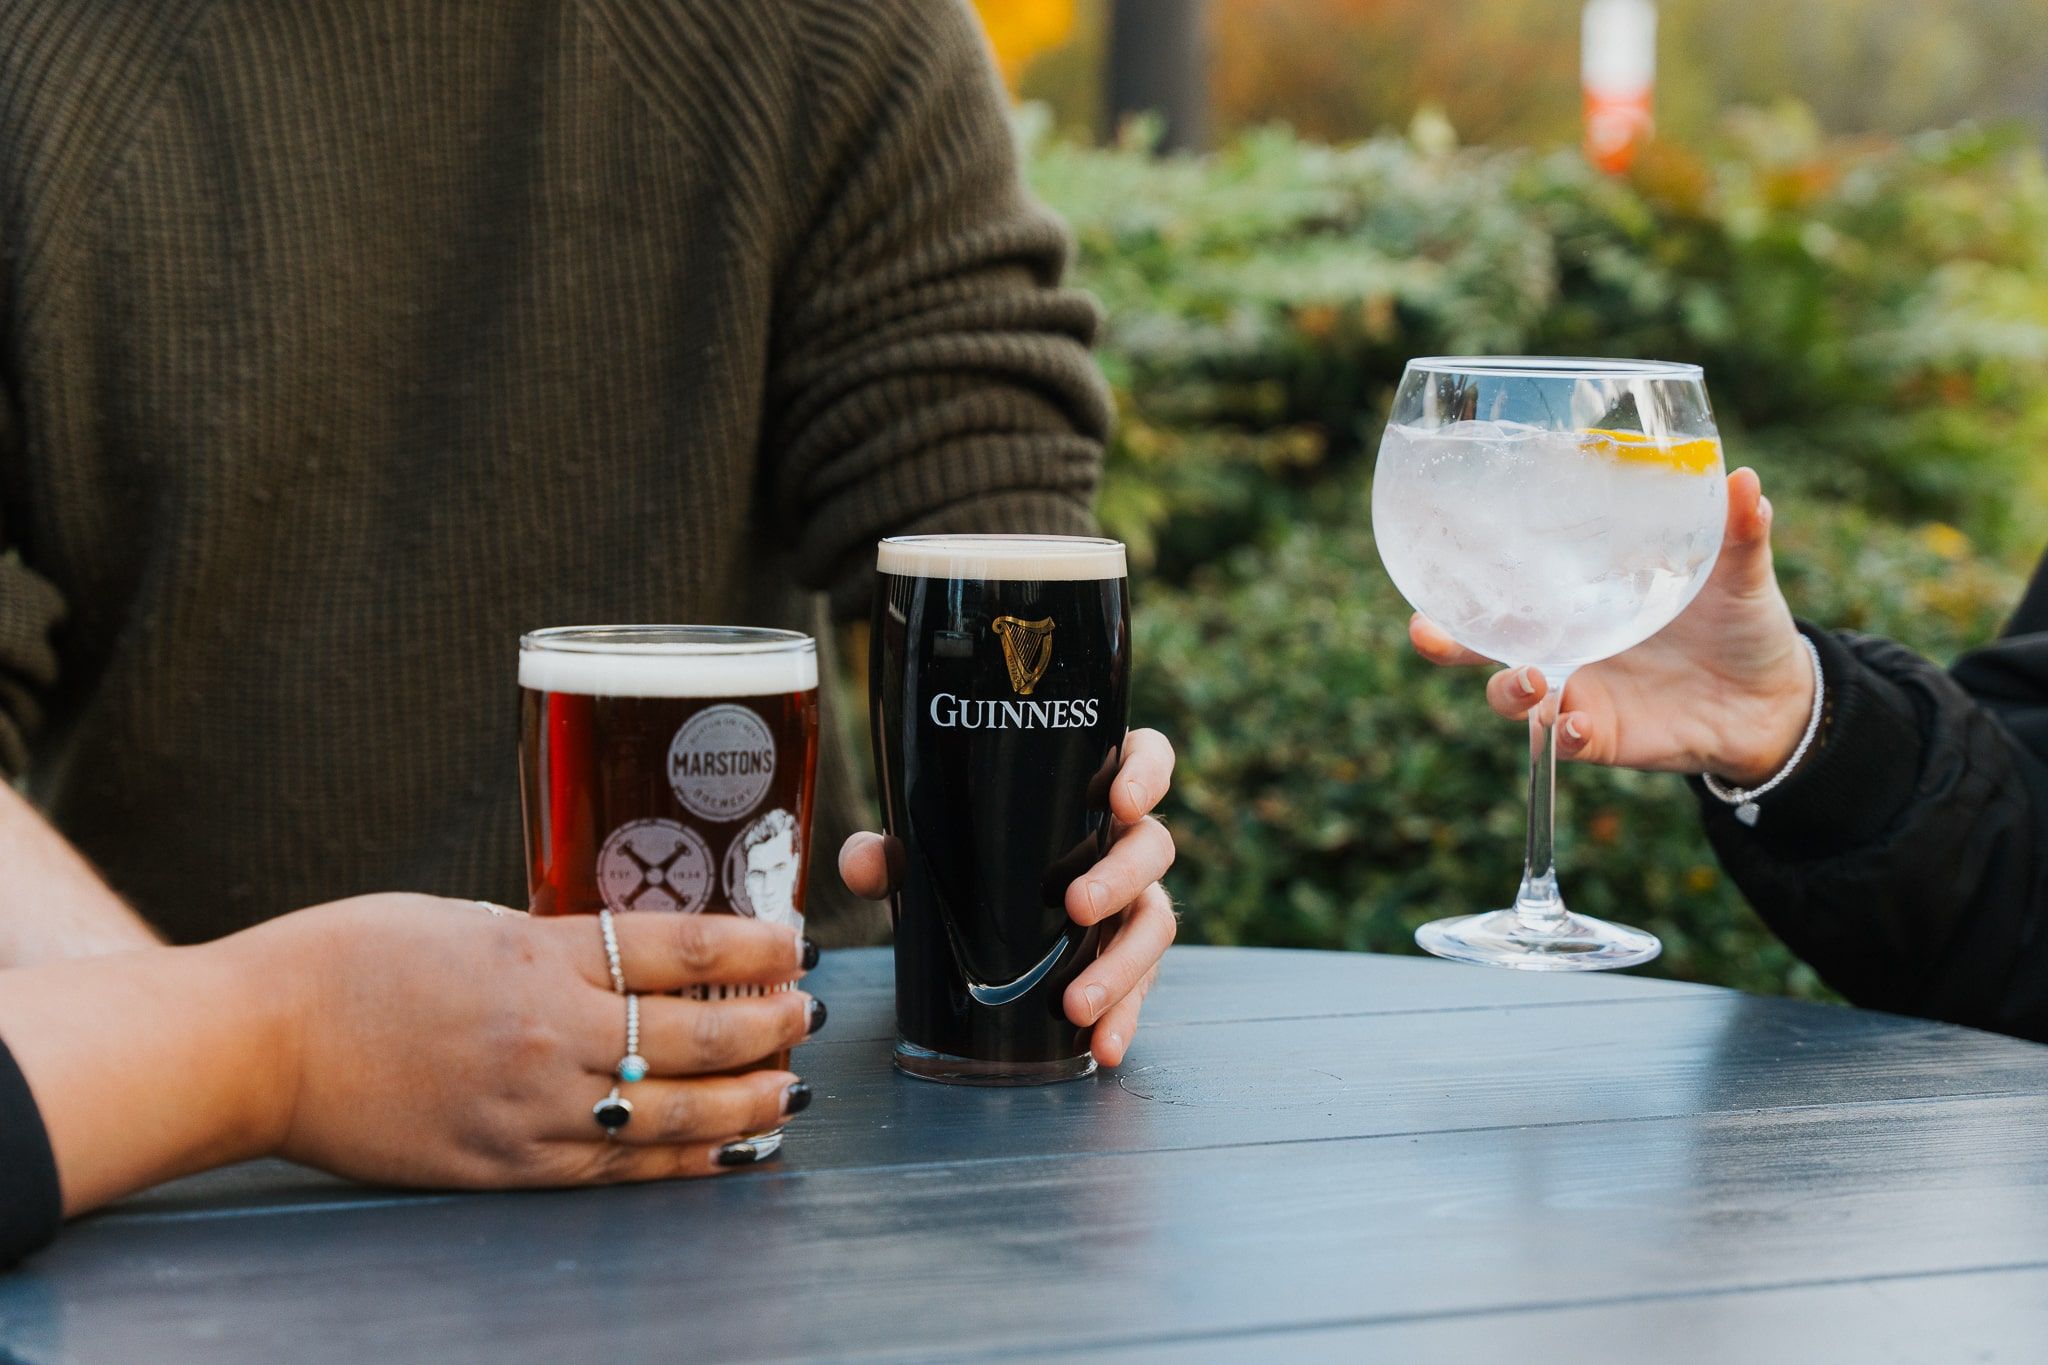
[1027, 649]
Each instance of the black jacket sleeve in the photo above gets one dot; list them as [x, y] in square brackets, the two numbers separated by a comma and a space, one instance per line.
[1907, 859]
[30, 1206]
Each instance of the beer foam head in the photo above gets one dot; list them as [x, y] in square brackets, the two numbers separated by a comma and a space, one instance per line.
[1027, 559]
[668, 661]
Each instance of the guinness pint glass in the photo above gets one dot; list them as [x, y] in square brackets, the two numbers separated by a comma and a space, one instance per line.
[669, 770]
[1000, 672]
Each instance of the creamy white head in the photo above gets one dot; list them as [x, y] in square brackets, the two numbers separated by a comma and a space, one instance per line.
[668, 661]
[1027, 559]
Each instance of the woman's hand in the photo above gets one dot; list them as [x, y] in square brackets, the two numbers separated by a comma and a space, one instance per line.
[437, 1044]
[410, 1040]
[1110, 991]
[1726, 688]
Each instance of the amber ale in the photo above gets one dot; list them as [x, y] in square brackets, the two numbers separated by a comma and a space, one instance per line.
[669, 770]
[1000, 674]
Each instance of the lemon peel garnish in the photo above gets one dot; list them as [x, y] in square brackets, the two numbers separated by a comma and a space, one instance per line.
[1696, 455]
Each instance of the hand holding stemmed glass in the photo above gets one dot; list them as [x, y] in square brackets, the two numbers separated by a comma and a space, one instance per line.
[1548, 513]
[1725, 689]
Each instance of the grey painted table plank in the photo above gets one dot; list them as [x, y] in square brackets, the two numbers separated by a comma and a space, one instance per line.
[1231, 985]
[1442, 1160]
[1214, 1084]
[1997, 1317]
[1078, 1252]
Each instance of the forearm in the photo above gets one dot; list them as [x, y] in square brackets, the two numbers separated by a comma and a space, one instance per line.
[1907, 859]
[153, 1064]
[52, 904]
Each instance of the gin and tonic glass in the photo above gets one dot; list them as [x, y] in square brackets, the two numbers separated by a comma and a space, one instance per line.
[1549, 512]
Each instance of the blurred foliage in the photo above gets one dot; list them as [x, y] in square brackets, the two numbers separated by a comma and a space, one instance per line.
[1874, 323]
[1873, 318]
[1863, 66]
[1506, 71]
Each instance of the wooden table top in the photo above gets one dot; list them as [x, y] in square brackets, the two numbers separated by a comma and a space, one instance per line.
[1314, 1154]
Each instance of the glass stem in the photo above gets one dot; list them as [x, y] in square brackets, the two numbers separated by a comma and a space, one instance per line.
[1539, 909]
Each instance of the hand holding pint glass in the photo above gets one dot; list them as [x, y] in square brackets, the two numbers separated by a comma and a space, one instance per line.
[671, 769]
[1000, 670]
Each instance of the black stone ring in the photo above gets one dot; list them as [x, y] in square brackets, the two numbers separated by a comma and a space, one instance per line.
[612, 1113]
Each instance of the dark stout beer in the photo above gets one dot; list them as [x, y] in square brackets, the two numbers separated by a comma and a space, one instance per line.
[669, 769]
[1000, 673]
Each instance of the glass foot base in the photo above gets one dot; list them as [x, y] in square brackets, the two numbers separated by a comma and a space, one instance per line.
[762, 1145]
[1578, 943]
[927, 1065]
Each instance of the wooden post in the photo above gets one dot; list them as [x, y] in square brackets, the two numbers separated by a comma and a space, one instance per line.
[1159, 64]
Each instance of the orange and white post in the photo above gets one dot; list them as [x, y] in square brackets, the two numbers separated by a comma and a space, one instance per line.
[1617, 72]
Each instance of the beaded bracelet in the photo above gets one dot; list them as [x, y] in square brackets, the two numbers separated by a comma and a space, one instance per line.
[1743, 800]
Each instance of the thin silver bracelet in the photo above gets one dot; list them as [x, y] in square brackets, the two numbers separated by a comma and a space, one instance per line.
[1745, 801]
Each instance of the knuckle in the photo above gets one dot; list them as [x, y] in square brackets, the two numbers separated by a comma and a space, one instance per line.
[527, 1041]
[614, 1162]
[710, 1031]
[495, 1153]
[485, 1171]
[682, 1112]
[583, 1164]
[1117, 970]
[569, 941]
[694, 941]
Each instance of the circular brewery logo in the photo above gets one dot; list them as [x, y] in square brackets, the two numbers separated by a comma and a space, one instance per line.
[721, 762]
[762, 867]
[654, 865]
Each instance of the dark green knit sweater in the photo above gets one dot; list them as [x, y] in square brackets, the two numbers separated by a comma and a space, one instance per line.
[346, 339]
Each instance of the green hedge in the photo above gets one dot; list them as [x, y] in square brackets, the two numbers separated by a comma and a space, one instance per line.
[1875, 328]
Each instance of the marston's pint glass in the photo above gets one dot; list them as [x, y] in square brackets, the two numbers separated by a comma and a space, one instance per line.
[669, 769]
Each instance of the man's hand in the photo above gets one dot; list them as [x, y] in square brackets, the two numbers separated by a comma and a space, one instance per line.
[1726, 688]
[1111, 990]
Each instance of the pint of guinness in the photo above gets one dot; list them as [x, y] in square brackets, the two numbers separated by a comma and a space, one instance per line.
[1000, 673]
[669, 769]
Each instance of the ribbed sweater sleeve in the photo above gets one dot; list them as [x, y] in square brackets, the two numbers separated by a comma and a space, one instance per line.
[928, 373]
[30, 608]
[63, 126]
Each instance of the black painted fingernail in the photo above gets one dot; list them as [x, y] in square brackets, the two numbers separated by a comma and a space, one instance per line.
[738, 1154]
[810, 953]
[796, 1099]
[817, 1015]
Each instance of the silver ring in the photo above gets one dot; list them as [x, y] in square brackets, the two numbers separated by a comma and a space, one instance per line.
[496, 909]
[632, 1066]
[612, 1114]
[611, 950]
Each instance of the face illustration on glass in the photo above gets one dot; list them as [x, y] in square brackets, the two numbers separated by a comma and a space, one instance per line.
[771, 878]
[763, 867]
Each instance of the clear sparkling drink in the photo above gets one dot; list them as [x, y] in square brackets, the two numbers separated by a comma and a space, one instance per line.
[1543, 547]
